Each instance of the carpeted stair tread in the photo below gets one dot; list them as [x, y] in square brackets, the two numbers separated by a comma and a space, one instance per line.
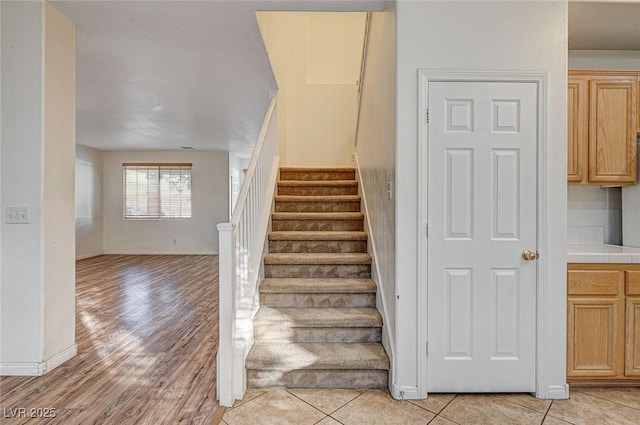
[317, 183]
[291, 235]
[317, 285]
[317, 378]
[317, 169]
[317, 216]
[317, 356]
[318, 258]
[319, 317]
[318, 198]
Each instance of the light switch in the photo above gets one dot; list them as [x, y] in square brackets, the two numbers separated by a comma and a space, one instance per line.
[17, 215]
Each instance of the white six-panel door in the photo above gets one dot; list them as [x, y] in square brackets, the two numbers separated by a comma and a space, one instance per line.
[482, 176]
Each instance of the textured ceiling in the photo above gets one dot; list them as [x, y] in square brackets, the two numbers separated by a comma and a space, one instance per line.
[164, 74]
[604, 25]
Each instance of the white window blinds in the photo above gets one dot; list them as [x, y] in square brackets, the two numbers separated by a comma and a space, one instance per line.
[156, 190]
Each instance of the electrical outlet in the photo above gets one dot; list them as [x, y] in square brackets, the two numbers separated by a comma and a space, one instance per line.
[17, 215]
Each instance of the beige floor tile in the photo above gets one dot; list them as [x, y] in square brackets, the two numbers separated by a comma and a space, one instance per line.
[376, 407]
[549, 420]
[273, 408]
[250, 394]
[588, 410]
[441, 421]
[435, 402]
[489, 409]
[527, 400]
[328, 421]
[628, 396]
[327, 401]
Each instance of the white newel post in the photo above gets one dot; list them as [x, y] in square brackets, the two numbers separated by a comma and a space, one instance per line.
[226, 307]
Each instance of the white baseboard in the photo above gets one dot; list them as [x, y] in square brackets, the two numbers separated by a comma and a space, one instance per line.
[89, 255]
[404, 393]
[22, 369]
[116, 252]
[554, 392]
[66, 354]
[388, 338]
[38, 368]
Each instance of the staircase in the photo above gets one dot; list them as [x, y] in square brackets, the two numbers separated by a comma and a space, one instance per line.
[317, 326]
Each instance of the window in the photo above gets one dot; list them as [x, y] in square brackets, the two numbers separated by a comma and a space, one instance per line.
[157, 190]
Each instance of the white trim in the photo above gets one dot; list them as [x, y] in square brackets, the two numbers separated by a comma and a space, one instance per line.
[64, 355]
[388, 342]
[89, 255]
[38, 368]
[540, 78]
[22, 369]
[404, 393]
[556, 392]
[143, 252]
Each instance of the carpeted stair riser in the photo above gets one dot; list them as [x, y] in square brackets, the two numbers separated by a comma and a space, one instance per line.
[311, 174]
[317, 378]
[317, 225]
[315, 190]
[302, 206]
[318, 246]
[277, 334]
[317, 300]
[318, 270]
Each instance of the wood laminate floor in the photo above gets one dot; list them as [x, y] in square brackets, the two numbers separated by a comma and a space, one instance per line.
[147, 335]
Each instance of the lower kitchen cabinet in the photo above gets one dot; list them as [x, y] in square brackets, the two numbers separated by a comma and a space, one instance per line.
[603, 322]
[632, 357]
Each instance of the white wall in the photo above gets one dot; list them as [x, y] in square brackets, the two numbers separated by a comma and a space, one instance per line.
[237, 165]
[38, 133]
[22, 125]
[59, 182]
[594, 215]
[480, 35]
[375, 150]
[316, 58]
[619, 60]
[197, 235]
[89, 229]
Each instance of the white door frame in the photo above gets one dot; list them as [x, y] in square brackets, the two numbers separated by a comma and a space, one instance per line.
[540, 79]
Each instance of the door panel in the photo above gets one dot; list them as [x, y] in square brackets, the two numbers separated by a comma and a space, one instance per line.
[482, 205]
[632, 355]
[594, 337]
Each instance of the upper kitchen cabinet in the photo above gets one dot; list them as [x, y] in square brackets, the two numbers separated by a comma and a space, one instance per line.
[638, 107]
[578, 127]
[602, 127]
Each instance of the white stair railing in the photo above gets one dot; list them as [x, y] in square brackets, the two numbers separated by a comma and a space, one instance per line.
[241, 248]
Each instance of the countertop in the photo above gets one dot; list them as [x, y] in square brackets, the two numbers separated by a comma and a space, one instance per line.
[595, 253]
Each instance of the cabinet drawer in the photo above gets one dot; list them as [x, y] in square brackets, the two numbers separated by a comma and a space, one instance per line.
[633, 282]
[594, 282]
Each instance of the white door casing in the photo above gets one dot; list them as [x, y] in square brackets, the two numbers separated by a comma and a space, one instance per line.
[482, 176]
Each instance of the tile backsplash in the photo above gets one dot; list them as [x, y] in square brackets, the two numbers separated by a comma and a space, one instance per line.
[594, 215]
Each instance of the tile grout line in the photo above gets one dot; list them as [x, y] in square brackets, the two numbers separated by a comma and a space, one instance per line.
[306, 402]
[610, 401]
[520, 405]
[447, 405]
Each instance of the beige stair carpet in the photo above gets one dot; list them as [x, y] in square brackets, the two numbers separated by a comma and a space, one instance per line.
[318, 326]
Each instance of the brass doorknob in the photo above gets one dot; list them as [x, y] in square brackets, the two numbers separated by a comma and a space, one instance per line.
[529, 255]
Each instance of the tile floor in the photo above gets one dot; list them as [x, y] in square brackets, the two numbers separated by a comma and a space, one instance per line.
[587, 406]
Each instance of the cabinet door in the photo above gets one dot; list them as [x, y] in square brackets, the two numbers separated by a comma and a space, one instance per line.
[578, 128]
[632, 357]
[612, 130]
[595, 337]
[638, 105]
